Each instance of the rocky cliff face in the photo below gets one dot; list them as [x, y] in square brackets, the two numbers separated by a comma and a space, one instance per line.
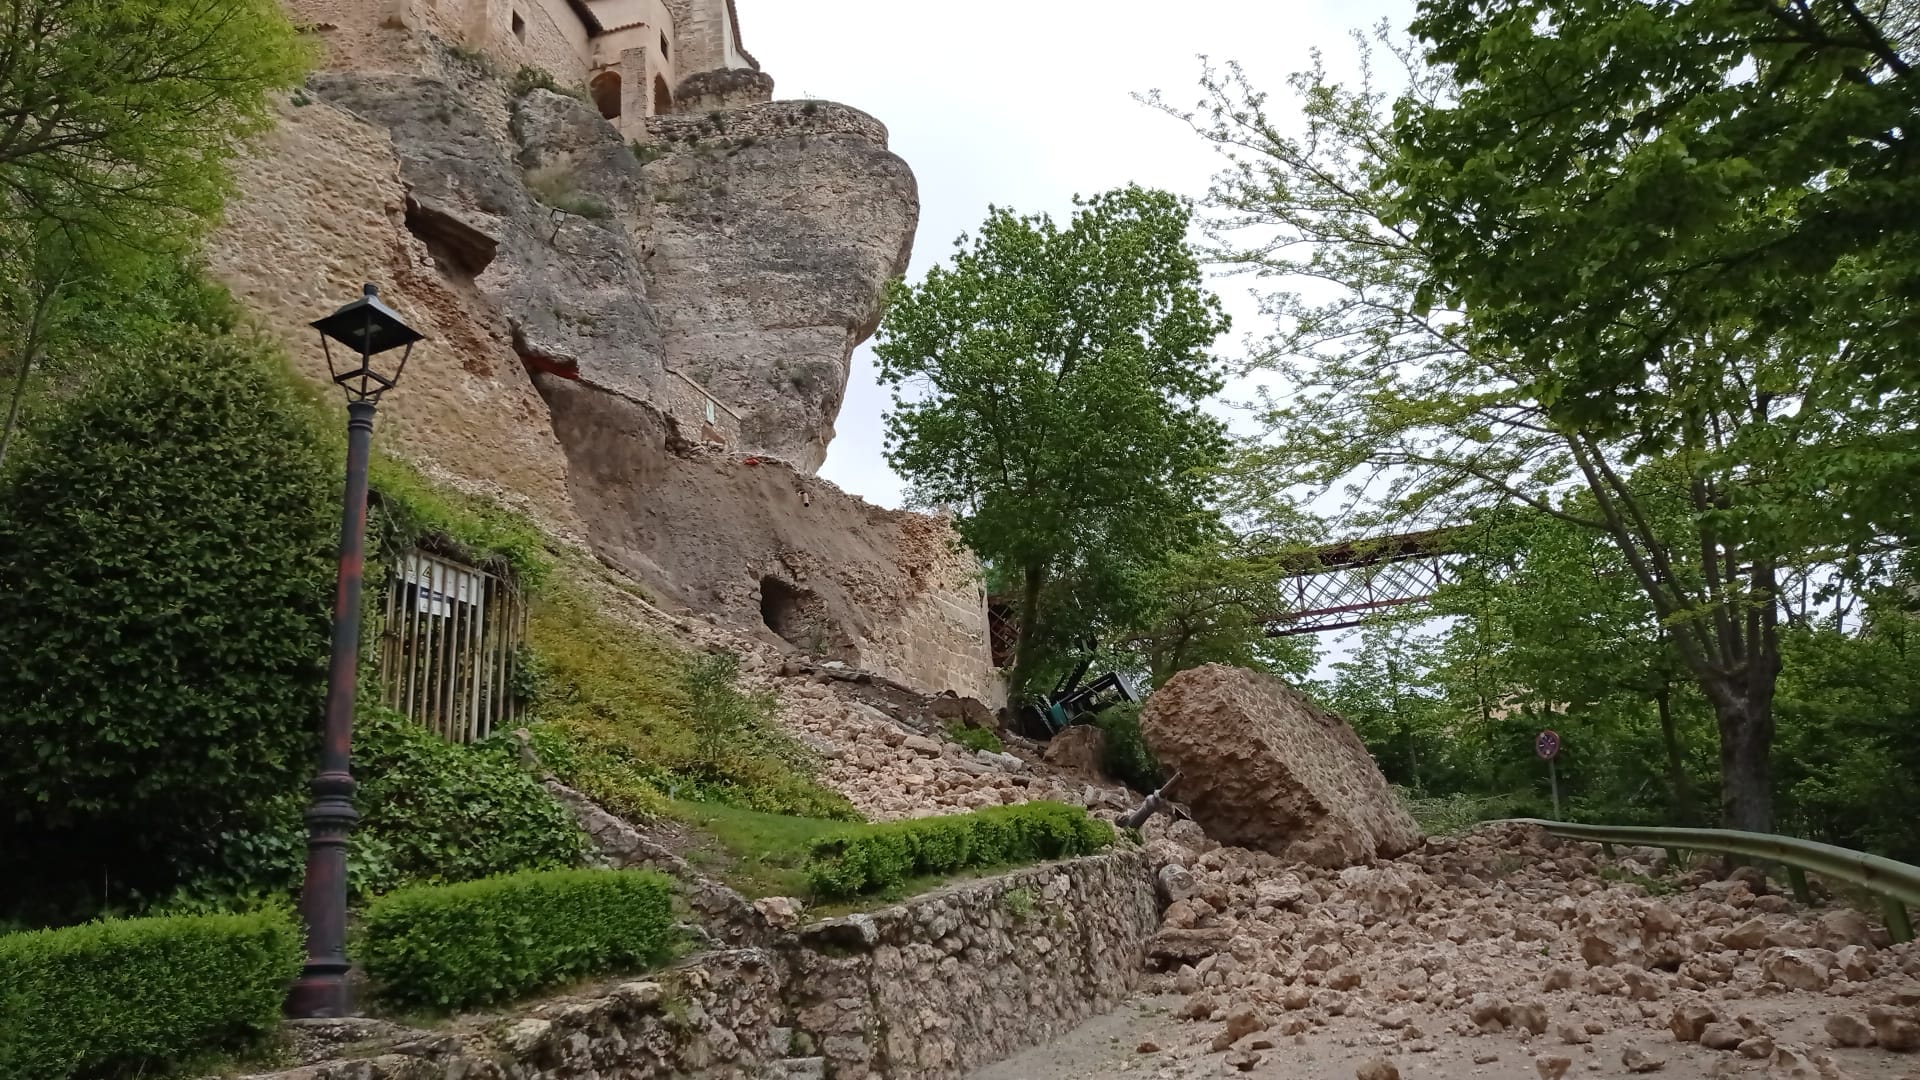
[772, 227]
[645, 346]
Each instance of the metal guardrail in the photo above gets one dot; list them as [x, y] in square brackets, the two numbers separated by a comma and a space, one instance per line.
[1896, 883]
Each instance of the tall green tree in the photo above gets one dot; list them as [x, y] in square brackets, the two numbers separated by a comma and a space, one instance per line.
[1216, 603]
[1415, 395]
[1049, 385]
[1686, 231]
[118, 120]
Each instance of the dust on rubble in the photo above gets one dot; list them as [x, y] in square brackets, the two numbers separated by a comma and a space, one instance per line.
[1503, 953]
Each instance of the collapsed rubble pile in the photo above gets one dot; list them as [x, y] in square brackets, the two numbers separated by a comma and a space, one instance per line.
[885, 749]
[1508, 944]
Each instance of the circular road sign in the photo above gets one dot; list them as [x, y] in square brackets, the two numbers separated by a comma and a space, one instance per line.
[1548, 744]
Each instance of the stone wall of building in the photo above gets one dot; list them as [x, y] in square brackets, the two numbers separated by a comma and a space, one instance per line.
[940, 639]
[404, 35]
[928, 990]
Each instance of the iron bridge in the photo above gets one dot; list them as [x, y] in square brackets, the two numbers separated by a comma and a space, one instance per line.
[1337, 586]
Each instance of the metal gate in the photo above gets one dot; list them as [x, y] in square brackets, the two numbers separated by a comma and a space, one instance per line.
[449, 643]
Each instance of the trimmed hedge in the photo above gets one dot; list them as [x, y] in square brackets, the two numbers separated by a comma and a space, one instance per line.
[879, 858]
[141, 995]
[489, 941]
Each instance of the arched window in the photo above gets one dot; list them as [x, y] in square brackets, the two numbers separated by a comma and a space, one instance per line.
[606, 94]
[662, 99]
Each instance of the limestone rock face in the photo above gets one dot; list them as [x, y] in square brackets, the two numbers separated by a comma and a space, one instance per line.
[755, 543]
[1266, 768]
[644, 346]
[774, 228]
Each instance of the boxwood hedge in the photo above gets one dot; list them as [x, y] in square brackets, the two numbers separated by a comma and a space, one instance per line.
[136, 996]
[878, 858]
[483, 942]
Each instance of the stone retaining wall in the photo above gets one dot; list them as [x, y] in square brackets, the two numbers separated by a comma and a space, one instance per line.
[932, 988]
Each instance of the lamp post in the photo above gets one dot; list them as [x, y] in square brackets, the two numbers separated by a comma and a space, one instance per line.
[366, 328]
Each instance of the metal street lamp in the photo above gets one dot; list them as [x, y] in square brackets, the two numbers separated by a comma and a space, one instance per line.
[366, 328]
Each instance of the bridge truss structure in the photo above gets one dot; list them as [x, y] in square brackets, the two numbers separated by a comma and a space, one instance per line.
[1339, 585]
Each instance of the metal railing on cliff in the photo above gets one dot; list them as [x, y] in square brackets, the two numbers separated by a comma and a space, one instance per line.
[1897, 884]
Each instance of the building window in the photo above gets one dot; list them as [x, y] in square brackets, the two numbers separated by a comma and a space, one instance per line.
[519, 27]
[665, 53]
[606, 94]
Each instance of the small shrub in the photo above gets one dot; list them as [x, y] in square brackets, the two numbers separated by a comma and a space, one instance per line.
[484, 942]
[431, 812]
[530, 78]
[975, 738]
[553, 185]
[880, 858]
[475, 59]
[648, 153]
[1019, 902]
[1444, 815]
[1128, 758]
[131, 996]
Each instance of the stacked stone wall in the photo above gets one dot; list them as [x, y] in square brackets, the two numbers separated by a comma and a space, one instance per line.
[928, 990]
[400, 35]
[940, 639]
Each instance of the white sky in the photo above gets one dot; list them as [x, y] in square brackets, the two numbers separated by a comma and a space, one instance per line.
[1024, 105]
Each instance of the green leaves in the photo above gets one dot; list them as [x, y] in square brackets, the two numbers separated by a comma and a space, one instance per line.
[164, 586]
[1048, 385]
[485, 942]
[137, 994]
[866, 859]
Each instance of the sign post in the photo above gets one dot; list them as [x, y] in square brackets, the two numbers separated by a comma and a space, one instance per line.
[1548, 747]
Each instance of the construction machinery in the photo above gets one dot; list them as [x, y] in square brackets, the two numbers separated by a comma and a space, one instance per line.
[1073, 703]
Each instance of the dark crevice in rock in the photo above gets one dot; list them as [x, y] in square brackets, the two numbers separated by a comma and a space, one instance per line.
[461, 251]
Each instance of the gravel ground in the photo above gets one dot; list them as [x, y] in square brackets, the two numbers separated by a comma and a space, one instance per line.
[1109, 1046]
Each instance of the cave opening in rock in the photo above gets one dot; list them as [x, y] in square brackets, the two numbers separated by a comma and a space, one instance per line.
[800, 617]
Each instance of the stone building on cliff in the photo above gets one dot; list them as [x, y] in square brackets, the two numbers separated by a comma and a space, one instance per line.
[641, 294]
[637, 58]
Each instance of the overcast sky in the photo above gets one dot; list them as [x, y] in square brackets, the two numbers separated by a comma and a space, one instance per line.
[1024, 105]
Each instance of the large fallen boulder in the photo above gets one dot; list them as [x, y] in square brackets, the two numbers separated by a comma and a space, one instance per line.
[1264, 767]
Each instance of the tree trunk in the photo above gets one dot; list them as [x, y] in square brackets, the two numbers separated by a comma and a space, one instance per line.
[1679, 790]
[1746, 777]
[1025, 647]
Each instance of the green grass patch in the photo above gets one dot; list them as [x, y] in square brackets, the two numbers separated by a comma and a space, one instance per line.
[636, 722]
[976, 738]
[757, 854]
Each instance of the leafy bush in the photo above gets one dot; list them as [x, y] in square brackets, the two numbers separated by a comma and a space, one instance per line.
[880, 858]
[164, 587]
[554, 185]
[974, 738]
[431, 812]
[134, 995]
[631, 720]
[1128, 758]
[406, 511]
[489, 941]
[1444, 815]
